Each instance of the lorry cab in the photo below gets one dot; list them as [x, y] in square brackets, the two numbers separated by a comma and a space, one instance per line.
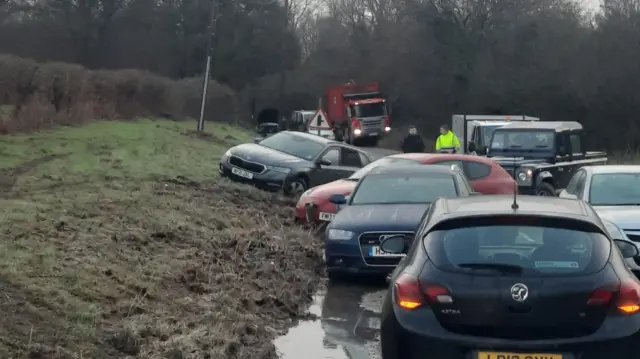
[357, 113]
[478, 129]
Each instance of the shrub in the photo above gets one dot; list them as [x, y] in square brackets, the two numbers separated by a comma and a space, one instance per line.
[42, 95]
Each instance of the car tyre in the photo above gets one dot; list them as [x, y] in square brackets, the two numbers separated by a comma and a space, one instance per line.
[545, 189]
[296, 187]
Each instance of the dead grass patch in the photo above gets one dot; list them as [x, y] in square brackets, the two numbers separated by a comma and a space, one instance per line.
[120, 259]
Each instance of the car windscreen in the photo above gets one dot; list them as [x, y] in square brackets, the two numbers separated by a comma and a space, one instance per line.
[615, 189]
[524, 246]
[395, 188]
[293, 145]
[487, 133]
[522, 139]
[386, 161]
[370, 109]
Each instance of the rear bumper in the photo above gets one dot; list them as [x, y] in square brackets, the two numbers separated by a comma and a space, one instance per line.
[423, 337]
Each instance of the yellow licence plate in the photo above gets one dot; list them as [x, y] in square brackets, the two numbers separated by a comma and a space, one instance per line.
[502, 355]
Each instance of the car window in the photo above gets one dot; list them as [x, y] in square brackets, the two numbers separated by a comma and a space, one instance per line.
[571, 186]
[291, 144]
[450, 163]
[385, 161]
[476, 171]
[576, 146]
[538, 246]
[403, 189]
[615, 189]
[351, 158]
[333, 155]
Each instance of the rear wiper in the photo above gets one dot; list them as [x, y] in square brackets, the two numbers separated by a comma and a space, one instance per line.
[507, 268]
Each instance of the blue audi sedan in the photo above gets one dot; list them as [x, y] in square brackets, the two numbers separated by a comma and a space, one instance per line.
[386, 202]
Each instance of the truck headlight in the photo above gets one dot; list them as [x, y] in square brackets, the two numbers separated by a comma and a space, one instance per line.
[284, 170]
[357, 131]
[525, 176]
[339, 235]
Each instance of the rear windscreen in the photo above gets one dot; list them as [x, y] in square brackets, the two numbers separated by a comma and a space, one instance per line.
[535, 247]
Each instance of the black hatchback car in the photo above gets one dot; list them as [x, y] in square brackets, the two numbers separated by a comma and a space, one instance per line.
[486, 279]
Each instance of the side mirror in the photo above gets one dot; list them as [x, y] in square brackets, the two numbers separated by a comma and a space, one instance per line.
[338, 199]
[323, 162]
[564, 194]
[475, 194]
[393, 245]
[471, 146]
[257, 139]
[628, 249]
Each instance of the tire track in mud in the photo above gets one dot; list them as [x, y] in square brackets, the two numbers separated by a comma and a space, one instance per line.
[8, 178]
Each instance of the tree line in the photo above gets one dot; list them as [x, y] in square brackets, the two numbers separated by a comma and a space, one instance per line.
[548, 58]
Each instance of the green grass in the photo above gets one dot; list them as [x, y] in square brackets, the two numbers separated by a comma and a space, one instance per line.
[134, 150]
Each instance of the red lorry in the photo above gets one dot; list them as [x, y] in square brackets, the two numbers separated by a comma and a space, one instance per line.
[357, 113]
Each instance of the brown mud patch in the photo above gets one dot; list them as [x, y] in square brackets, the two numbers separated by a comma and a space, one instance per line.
[157, 269]
[9, 177]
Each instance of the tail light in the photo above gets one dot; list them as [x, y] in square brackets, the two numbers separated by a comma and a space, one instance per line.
[628, 300]
[387, 122]
[409, 294]
[626, 296]
[355, 123]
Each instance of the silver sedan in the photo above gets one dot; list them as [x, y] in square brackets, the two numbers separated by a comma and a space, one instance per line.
[613, 191]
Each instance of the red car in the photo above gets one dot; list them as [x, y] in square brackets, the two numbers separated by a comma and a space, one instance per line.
[486, 177]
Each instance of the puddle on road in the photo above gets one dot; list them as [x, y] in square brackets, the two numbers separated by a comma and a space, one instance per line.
[347, 327]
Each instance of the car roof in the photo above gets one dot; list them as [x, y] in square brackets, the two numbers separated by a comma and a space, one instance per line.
[411, 170]
[461, 207]
[613, 169]
[432, 157]
[312, 137]
[543, 125]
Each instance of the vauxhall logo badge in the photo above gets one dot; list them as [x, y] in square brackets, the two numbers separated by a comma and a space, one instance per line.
[519, 292]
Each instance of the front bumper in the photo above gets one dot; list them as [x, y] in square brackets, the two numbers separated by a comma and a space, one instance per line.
[345, 257]
[308, 211]
[270, 180]
[371, 132]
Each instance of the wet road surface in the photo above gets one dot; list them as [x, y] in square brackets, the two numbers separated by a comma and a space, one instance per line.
[347, 327]
[348, 323]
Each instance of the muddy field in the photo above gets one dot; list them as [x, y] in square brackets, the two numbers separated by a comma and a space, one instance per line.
[112, 252]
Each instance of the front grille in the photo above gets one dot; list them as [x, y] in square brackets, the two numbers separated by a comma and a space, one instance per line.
[633, 237]
[247, 165]
[372, 124]
[521, 333]
[366, 240]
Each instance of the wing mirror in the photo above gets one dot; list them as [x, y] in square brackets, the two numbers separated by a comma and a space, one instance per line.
[393, 244]
[627, 248]
[338, 199]
[323, 162]
[564, 194]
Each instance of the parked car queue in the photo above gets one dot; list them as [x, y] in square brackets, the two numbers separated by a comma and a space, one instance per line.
[490, 276]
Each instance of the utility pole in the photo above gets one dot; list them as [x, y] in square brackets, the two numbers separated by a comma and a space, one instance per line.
[283, 47]
[207, 70]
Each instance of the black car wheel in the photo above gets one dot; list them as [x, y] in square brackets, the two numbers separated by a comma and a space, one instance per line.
[545, 189]
[296, 187]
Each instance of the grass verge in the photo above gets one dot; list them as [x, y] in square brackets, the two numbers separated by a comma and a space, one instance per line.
[119, 239]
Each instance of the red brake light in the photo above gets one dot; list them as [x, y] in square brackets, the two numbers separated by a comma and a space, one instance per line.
[628, 300]
[355, 123]
[407, 292]
[601, 296]
[438, 294]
